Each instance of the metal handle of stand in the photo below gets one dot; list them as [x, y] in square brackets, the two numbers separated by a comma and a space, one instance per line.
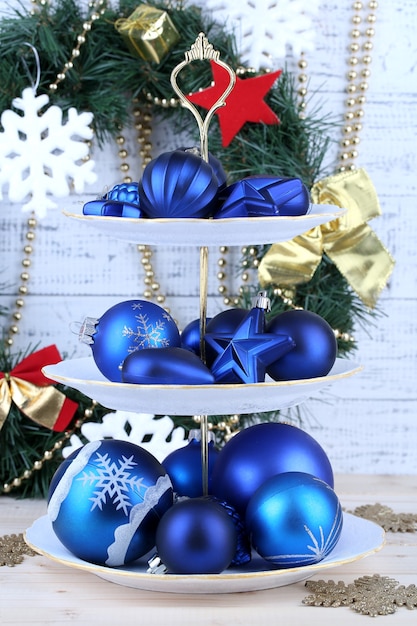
[202, 50]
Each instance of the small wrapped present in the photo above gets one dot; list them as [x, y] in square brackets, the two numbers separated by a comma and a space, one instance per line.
[148, 32]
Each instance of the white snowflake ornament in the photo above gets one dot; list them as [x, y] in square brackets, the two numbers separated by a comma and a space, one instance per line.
[40, 156]
[159, 436]
[265, 28]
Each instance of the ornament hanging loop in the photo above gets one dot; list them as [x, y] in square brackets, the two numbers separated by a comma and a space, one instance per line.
[202, 50]
[35, 84]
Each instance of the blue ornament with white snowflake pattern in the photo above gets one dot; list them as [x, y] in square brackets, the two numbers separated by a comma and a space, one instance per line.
[294, 519]
[125, 328]
[106, 499]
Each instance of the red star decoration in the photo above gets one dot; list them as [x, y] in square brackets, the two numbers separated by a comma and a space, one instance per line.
[244, 104]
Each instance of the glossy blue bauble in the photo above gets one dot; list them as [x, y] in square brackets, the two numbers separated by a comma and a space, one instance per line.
[127, 327]
[185, 469]
[105, 502]
[190, 336]
[225, 322]
[315, 348]
[124, 192]
[178, 184]
[94, 207]
[115, 208]
[264, 196]
[294, 519]
[196, 536]
[261, 451]
[166, 366]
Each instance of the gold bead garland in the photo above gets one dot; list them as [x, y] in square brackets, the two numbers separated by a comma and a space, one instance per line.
[357, 76]
[16, 482]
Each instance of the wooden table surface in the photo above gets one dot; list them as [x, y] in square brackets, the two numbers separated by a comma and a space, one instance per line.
[41, 591]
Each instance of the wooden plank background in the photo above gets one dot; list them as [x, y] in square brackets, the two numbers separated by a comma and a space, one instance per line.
[368, 423]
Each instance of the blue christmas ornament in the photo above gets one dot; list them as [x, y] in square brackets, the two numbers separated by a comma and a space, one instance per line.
[242, 356]
[185, 469]
[125, 328]
[243, 547]
[255, 454]
[121, 201]
[190, 336]
[124, 192]
[196, 536]
[294, 519]
[215, 164]
[260, 196]
[178, 184]
[315, 348]
[165, 366]
[225, 322]
[105, 502]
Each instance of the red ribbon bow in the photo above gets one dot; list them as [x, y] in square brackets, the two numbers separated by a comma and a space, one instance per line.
[35, 394]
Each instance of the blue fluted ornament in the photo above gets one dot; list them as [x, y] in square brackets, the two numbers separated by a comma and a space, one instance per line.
[106, 499]
[178, 184]
[125, 328]
[243, 355]
[165, 366]
[196, 536]
[190, 336]
[243, 546]
[258, 452]
[215, 164]
[315, 348]
[262, 196]
[184, 466]
[294, 519]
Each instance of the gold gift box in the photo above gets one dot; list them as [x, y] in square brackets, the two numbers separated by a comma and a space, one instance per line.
[148, 32]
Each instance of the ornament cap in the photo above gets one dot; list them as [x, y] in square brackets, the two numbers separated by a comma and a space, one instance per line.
[195, 433]
[262, 301]
[87, 330]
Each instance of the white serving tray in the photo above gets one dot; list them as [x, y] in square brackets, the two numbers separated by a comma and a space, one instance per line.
[82, 374]
[210, 232]
[359, 538]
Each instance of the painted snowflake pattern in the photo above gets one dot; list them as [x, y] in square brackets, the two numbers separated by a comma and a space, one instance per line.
[264, 28]
[42, 157]
[147, 334]
[113, 481]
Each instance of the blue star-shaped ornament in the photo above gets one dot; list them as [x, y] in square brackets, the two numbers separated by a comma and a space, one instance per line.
[262, 196]
[242, 357]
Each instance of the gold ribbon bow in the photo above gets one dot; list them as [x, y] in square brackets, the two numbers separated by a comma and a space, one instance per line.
[34, 394]
[348, 241]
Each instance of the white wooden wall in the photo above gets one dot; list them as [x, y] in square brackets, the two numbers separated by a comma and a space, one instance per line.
[367, 424]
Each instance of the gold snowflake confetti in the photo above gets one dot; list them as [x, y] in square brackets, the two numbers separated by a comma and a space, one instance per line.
[369, 595]
[385, 517]
[13, 549]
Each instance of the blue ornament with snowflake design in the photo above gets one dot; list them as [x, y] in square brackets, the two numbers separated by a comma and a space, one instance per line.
[294, 519]
[125, 328]
[105, 502]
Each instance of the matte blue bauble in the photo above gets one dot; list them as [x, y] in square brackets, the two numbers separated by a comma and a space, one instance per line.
[294, 519]
[315, 348]
[178, 184]
[125, 328]
[105, 502]
[196, 536]
[124, 192]
[215, 164]
[225, 322]
[264, 196]
[190, 336]
[166, 366]
[184, 468]
[261, 451]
